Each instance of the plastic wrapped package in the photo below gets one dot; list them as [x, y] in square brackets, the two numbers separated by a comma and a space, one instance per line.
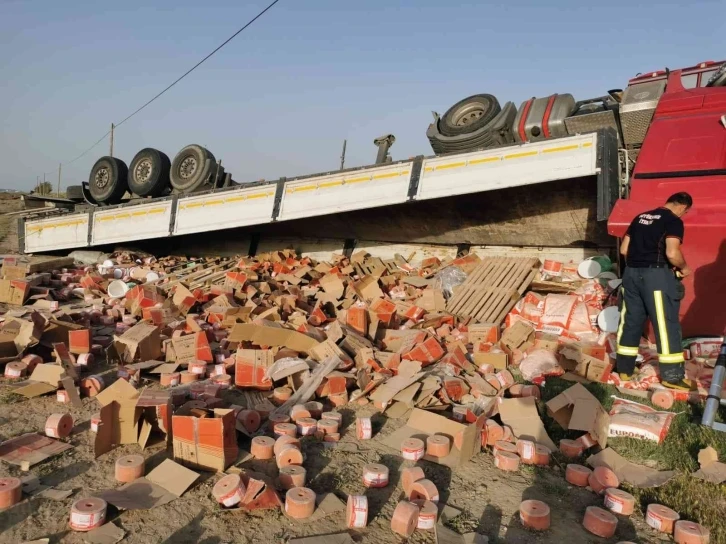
[448, 278]
[635, 420]
[540, 363]
[592, 293]
[286, 363]
[579, 325]
[529, 308]
[557, 313]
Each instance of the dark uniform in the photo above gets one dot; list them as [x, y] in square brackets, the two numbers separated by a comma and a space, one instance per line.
[650, 289]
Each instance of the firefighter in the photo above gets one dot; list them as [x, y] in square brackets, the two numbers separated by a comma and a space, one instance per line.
[651, 289]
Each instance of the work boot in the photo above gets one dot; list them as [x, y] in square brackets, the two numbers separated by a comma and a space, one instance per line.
[679, 385]
[625, 377]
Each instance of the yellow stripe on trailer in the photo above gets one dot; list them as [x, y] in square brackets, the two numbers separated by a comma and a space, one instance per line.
[520, 155]
[344, 181]
[57, 225]
[485, 160]
[560, 148]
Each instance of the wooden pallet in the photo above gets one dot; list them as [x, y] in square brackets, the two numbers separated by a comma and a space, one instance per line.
[493, 288]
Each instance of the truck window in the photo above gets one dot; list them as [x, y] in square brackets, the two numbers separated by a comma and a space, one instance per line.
[689, 81]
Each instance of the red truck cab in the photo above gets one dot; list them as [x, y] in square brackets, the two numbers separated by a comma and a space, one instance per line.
[685, 150]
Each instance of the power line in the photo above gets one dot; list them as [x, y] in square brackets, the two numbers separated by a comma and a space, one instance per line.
[185, 74]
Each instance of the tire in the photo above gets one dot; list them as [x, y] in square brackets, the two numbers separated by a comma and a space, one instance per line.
[149, 172]
[192, 168]
[75, 193]
[469, 115]
[498, 132]
[108, 180]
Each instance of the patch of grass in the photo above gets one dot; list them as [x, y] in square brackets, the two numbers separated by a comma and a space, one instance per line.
[8, 397]
[463, 523]
[692, 498]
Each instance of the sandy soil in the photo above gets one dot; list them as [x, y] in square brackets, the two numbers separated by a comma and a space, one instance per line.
[489, 499]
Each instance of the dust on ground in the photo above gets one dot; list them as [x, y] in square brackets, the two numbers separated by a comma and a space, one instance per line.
[489, 499]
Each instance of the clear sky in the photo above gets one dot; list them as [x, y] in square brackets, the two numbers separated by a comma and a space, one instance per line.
[280, 99]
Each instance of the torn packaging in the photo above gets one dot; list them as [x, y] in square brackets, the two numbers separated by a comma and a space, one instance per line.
[711, 470]
[44, 379]
[328, 349]
[522, 416]
[577, 409]
[465, 439]
[142, 342]
[272, 336]
[206, 443]
[162, 485]
[121, 419]
[30, 448]
[630, 473]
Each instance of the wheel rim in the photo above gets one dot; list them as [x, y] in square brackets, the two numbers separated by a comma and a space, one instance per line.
[142, 172]
[188, 167]
[102, 177]
[469, 114]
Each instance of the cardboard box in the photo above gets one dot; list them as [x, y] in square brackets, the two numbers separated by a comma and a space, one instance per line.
[487, 333]
[192, 347]
[385, 311]
[140, 342]
[250, 368]
[522, 416]
[432, 300]
[14, 291]
[519, 336]
[465, 439]
[577, 409]
[497, 359]
[327, 349]
[546, 342]
[79, 341]
[587, 360]
[119, 417]
[13, 272]
[206, 443]
[367, 288]
[183, 299]
[58, 331]
[8, 347]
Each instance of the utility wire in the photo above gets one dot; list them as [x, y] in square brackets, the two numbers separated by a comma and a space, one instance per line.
[185, 74]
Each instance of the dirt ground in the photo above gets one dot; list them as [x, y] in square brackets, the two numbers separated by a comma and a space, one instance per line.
[488, 498]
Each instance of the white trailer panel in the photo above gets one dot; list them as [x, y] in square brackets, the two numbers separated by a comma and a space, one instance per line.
[57, 233]
[138, 222]
[225, 210]
[511, 166]
[322, 195]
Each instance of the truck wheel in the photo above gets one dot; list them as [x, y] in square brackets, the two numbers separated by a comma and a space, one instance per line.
[149, 172]
[191, 168]
[108, 180]
[469, 115]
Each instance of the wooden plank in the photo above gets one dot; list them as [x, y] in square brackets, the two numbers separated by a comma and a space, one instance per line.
[493, 288]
